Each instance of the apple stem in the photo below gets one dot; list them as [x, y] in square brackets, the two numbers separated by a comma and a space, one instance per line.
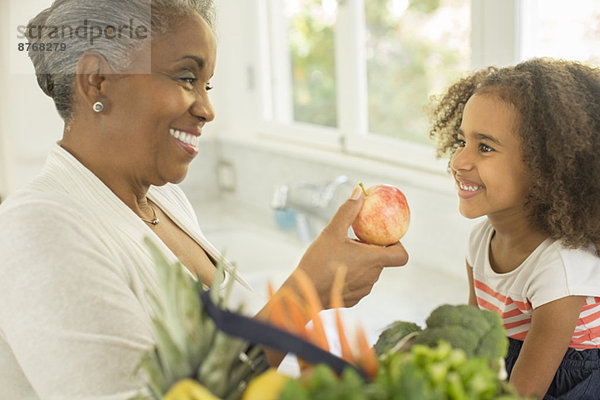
[363, 188]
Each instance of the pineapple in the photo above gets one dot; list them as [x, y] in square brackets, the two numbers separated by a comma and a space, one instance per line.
[188, 344]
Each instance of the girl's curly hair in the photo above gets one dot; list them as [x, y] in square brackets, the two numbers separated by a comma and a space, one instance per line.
[559, 128]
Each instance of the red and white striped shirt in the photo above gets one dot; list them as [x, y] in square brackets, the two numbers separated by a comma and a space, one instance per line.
[549, 273]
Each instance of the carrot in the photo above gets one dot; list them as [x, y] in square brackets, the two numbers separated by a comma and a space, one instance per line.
[270, 289]
[317, 333]
[305, 367]
[298, 319]
[345, 346]
[276, 313]
[298, 314]
[367, 358]
[269, 306]
[337, 287]
[308, 291]
[337, 303]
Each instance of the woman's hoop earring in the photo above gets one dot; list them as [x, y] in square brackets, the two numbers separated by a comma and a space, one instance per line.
[98, 107]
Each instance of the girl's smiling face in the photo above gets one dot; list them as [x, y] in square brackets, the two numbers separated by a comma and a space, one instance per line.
[488, 165]
[161, 105]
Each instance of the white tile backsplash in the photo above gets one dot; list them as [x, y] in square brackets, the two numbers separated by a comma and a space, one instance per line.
[200, 184]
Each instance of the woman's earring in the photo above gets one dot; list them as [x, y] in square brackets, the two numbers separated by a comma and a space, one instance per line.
[98, 107]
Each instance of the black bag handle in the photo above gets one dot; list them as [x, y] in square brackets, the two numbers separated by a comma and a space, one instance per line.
[258, 332]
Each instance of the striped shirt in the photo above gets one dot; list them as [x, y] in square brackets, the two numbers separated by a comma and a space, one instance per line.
[549, 273]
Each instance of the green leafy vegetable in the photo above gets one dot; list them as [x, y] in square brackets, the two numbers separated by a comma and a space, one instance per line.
[456, 357]
[423, 373]
[392, 335]
[478, 332]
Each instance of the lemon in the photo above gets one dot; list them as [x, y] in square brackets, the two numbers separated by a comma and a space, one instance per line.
[266, 386]
[189, 389]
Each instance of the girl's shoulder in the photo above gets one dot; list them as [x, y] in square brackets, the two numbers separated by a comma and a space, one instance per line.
[571, 260]
[581, 264]
[559, 271]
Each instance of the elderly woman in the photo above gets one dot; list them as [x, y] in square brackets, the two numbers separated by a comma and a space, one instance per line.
[75, 315]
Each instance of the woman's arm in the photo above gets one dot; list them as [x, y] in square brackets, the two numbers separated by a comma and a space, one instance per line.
[552, 326]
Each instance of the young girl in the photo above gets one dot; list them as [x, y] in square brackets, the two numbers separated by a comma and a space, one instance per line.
[524, 147]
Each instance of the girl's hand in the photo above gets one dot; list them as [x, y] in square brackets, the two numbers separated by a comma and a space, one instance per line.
[333, 248]
[552, 326]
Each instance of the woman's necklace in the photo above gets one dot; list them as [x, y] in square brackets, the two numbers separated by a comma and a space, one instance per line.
[154, 220]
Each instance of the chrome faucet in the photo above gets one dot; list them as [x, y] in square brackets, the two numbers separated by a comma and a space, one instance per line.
[308, 200]
[306, 196]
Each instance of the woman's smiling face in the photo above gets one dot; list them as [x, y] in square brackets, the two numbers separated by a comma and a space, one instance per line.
[157, 117]
[488, 165]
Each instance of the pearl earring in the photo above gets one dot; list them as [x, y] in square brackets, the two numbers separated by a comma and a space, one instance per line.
[98, 107]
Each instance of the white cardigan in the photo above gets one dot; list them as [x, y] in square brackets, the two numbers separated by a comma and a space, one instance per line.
[74, 282]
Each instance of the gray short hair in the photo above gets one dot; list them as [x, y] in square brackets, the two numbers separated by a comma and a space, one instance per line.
[99, 20]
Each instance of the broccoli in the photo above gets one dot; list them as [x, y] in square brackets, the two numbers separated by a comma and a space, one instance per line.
[393, 334]
[477, 332]
[494, 344]
[457, 336]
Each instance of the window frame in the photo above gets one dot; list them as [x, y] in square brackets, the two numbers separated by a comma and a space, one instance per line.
[495, 25]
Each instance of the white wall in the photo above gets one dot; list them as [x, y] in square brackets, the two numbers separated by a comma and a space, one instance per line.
[235, 95]
[4, 150]
[29, 123]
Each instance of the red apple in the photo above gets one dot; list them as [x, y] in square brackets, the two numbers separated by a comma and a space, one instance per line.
[384, 216]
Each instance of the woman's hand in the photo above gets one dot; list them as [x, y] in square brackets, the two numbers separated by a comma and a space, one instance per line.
[333, 248]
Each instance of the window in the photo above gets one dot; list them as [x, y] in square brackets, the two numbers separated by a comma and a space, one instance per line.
[413, 49]
[312, 49]
[560, 29]
[369, 65]
[356, 75]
